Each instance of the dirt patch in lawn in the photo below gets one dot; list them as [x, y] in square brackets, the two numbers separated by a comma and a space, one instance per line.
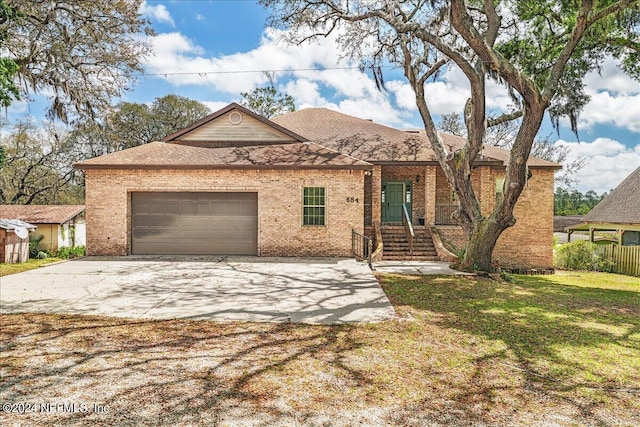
[462, 351]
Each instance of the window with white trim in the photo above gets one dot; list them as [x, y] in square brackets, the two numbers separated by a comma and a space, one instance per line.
[313, 206]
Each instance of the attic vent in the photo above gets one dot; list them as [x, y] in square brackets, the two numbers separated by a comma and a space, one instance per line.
[412, 131]
[235, 118]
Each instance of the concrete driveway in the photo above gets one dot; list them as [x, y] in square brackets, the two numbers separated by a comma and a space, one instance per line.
[324, 291]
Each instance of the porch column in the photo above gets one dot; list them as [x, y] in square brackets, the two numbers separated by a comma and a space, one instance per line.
[430, 195]
[376, 194]
[487, 190]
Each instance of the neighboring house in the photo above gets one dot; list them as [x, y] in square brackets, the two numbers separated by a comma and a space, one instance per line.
[561, 222]
[297, 185]
[61, 225]
[14, 246]
[619, 212]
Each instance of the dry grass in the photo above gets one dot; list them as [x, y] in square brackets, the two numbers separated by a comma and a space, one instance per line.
[462, 352]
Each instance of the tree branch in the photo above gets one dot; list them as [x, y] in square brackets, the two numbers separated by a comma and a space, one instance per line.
[493, 22]
[504, 118]
[491, 59]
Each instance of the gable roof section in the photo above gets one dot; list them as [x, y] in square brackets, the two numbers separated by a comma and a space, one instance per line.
[41, 214]
[234, 124]
[377, 143]
[162, 155]
[622, 205]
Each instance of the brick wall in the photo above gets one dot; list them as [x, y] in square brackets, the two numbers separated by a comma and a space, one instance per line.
[529, 243]
[430, 193]
[482, 180]
[280, 230]
[368, 200]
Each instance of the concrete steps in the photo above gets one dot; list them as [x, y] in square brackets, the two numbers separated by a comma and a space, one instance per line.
[396, 245]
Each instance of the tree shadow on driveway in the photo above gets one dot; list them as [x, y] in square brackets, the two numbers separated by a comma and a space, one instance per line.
[242, 288]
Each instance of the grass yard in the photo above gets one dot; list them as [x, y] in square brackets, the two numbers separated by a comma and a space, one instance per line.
[7, 269]
[546, 350]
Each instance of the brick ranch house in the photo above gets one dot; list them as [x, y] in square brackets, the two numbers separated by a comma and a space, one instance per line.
[297, 185]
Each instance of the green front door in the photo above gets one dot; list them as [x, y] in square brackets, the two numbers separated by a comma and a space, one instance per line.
[393, 197]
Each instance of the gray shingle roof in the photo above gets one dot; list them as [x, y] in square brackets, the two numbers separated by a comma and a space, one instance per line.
[622, 206]
[375, 143]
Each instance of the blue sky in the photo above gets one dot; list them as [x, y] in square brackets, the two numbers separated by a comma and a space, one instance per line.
[214, 50]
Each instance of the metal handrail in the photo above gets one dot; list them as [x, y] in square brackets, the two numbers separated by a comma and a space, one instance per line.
[361, 246]
[408, 228]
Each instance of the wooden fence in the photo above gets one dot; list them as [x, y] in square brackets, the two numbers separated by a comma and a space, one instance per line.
[625, 259]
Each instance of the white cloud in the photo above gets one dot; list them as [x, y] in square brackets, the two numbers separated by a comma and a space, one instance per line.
[215, 105]
[615, 99]
[621, 110]
[404, 95]
[18, 107]
[608, 162]
[158, 12]
[306, 92]
[379, 110]
[233, 73]
[313, 68]
[449, 94]
[611, 79]
[200, 18]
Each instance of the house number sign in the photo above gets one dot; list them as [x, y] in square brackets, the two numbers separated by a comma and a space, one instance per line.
[353, 200]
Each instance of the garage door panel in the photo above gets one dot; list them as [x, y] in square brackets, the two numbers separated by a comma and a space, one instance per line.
[194, 223]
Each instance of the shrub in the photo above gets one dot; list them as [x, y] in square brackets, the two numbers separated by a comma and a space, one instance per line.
[67, 252]
[42, 255]
[34, 244]
[78, 251]
[580, 255]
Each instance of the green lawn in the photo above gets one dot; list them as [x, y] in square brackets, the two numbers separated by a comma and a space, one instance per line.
[568, 331]
[533, 350]
[6, 269]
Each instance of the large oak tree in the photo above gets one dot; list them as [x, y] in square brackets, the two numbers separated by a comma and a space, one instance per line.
[79, 53]
[539, 49]
[37, 166]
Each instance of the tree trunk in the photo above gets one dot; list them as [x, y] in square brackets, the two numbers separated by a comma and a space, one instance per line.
[480, 244]
[482, 232]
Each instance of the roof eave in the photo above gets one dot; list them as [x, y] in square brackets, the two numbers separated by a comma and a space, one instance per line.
[226, 167]
[75, 214]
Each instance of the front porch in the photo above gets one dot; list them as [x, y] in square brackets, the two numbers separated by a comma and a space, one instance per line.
[422, 189]
[409, 198]
[406, 201]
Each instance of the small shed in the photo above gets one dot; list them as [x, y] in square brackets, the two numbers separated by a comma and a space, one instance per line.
[14, 240]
